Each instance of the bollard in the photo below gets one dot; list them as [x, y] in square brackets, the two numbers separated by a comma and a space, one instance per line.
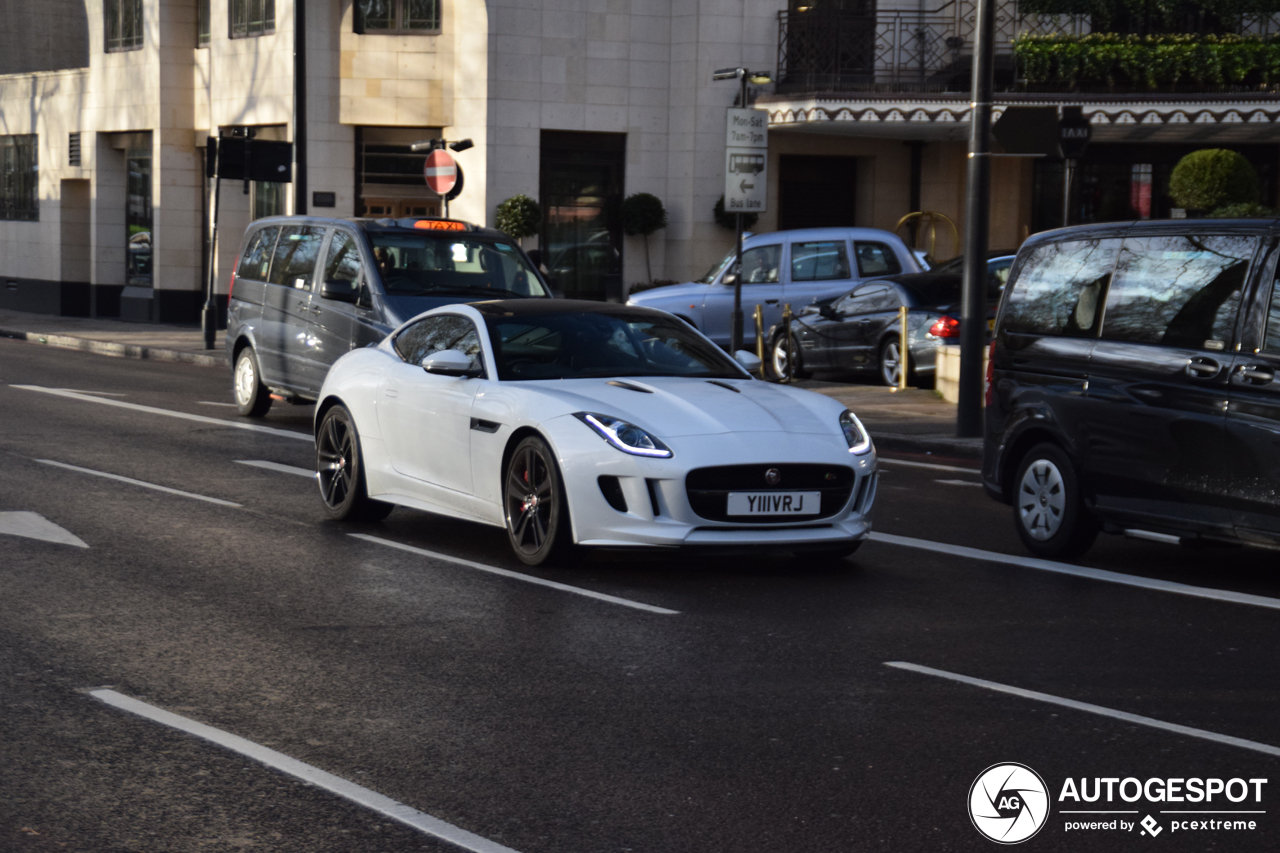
[904, 350]
[759, 318]
[786, 336]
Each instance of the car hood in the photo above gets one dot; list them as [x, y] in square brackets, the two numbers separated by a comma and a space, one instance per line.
[690, 289]
[678, 406]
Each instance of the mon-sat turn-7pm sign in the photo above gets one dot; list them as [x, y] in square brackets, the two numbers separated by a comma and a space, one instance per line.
[746, 161]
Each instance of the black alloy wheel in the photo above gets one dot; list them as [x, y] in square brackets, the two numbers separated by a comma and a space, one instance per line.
[252, 397]
[1048, 509]
[340, 471]
[891, 362]
[784, 354]
[535, 507]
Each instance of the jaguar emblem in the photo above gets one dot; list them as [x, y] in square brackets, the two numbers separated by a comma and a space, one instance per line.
[773, 476]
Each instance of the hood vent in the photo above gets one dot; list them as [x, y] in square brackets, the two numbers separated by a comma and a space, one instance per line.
[724, 385]
[618, 384]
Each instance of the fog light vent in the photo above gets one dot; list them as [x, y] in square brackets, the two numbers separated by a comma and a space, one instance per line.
[612, 491]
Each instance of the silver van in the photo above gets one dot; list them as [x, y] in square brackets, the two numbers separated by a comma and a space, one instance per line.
[306, 290]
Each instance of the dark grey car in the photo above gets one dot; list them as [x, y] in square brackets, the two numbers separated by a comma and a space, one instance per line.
[306, 290]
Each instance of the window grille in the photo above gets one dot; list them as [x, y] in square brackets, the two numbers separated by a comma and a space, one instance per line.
[19, 178]
[123, 25]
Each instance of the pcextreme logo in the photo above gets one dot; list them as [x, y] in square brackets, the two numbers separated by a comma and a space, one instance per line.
[1008, 803]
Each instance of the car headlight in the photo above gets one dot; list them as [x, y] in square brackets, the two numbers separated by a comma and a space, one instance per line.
[627, 437]
[854, 433]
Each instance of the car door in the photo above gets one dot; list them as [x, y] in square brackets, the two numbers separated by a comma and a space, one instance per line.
[761, 285]
[332, 320]
[286, 307]
[862, 320]
[425, 418]
[248, 294]
[1158, 378]
[818, 269]
[1253, 416]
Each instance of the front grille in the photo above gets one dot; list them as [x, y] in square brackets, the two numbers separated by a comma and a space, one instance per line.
[708, 489]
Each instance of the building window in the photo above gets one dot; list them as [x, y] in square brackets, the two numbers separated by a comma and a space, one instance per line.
[20, 177]
[203, 23]
[123, 24]
[397, 16]
[252, 17]
[268, 199]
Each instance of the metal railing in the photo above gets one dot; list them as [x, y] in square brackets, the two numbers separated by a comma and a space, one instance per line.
[914, 51]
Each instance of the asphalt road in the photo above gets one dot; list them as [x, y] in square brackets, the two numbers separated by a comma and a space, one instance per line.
[760, 715]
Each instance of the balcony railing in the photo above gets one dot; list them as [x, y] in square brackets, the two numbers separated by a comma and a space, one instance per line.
[914, 51]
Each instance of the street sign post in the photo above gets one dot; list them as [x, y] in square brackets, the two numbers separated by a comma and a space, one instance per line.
[1074, 132]
[746, 173]
[441, 171]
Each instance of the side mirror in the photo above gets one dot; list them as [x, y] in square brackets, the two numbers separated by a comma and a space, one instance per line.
[747, 359]
[828, 311]
[339, 291]
[449, 362]
[730, 279]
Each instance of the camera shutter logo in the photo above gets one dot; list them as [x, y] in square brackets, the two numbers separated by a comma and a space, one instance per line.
[773, 476]
[1008, 803]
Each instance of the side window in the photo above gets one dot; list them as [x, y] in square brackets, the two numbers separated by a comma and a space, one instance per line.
[876, 259]
[1059, 288]
[761, 264]
[1178, 291]
[824, 261]
[343, 260]
[1272, 341]
[436, 333]
[868, 300]
[257, 255]
[294, 262]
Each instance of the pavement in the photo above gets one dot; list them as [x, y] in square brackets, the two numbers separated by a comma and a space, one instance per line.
[913, 421]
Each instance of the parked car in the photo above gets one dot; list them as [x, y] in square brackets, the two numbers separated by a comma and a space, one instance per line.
[1132, 385]
[782, 267]
[306, 290]
[586, 424]
[861, 330]
[998, 263]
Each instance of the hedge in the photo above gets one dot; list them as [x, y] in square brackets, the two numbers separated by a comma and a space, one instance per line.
[1137, 63]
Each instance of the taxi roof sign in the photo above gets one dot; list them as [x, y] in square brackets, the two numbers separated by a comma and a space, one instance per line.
[441, 225]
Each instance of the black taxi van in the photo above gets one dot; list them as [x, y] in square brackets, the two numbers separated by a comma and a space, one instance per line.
[1132, 384]
[307, 289]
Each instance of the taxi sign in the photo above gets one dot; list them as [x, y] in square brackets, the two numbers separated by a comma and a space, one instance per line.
[441, 225]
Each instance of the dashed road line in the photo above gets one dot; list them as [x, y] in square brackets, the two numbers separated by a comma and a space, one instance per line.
[141, 483]
[506, 573]
[153, 410]
[1079, 571]
[1088, 708]
[278, 467]
[348, 790]
[958, 483]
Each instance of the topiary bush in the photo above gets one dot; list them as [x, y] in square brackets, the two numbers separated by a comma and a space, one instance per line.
[1213, 178]
[643, 214]
[518, 217]
[1248, 210]
[729, 221]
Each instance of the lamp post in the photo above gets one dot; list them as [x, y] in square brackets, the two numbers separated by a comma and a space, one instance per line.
[744, 77]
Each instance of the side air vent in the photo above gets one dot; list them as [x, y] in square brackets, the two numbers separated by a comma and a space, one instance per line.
[653, 496]
[612, 491]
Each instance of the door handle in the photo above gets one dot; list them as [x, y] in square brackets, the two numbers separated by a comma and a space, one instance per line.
[391, 392]
[302, 303]
[771, 302]
[1202, 368]
[1256, 374]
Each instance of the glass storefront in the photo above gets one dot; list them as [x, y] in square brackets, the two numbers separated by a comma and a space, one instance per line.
[582, 184]
[138, 218]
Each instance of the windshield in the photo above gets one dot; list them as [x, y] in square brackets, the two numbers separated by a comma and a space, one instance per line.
[718, 266]
[450, 264]
[603, 343]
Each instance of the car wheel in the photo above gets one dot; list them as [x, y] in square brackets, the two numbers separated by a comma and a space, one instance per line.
[783, 351]
[252, 397]
[1048, 510]
[891, 362]
[340, 471]
[536, 510]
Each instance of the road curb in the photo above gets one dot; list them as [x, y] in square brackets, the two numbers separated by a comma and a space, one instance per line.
[118, 350]
[938, 445]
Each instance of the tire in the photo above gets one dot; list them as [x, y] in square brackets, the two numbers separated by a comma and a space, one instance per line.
[535, 506]
[252, 397]
[340, 471]
[781, 351]
[890, 361]
[1048, 509]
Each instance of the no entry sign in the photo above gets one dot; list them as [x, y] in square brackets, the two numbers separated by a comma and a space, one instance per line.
[440, 171]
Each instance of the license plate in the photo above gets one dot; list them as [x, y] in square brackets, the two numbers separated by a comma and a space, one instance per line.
[775, 503]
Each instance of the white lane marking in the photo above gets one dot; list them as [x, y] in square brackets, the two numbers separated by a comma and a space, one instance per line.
[276, 466]
[97, 393]
[207, 403]
[134, 482]
[32, 525]
[358, 794]
[932, 466]
[152, 410]
[1266, 749]
[958, 483]
[517, 576]
[1080, 571]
